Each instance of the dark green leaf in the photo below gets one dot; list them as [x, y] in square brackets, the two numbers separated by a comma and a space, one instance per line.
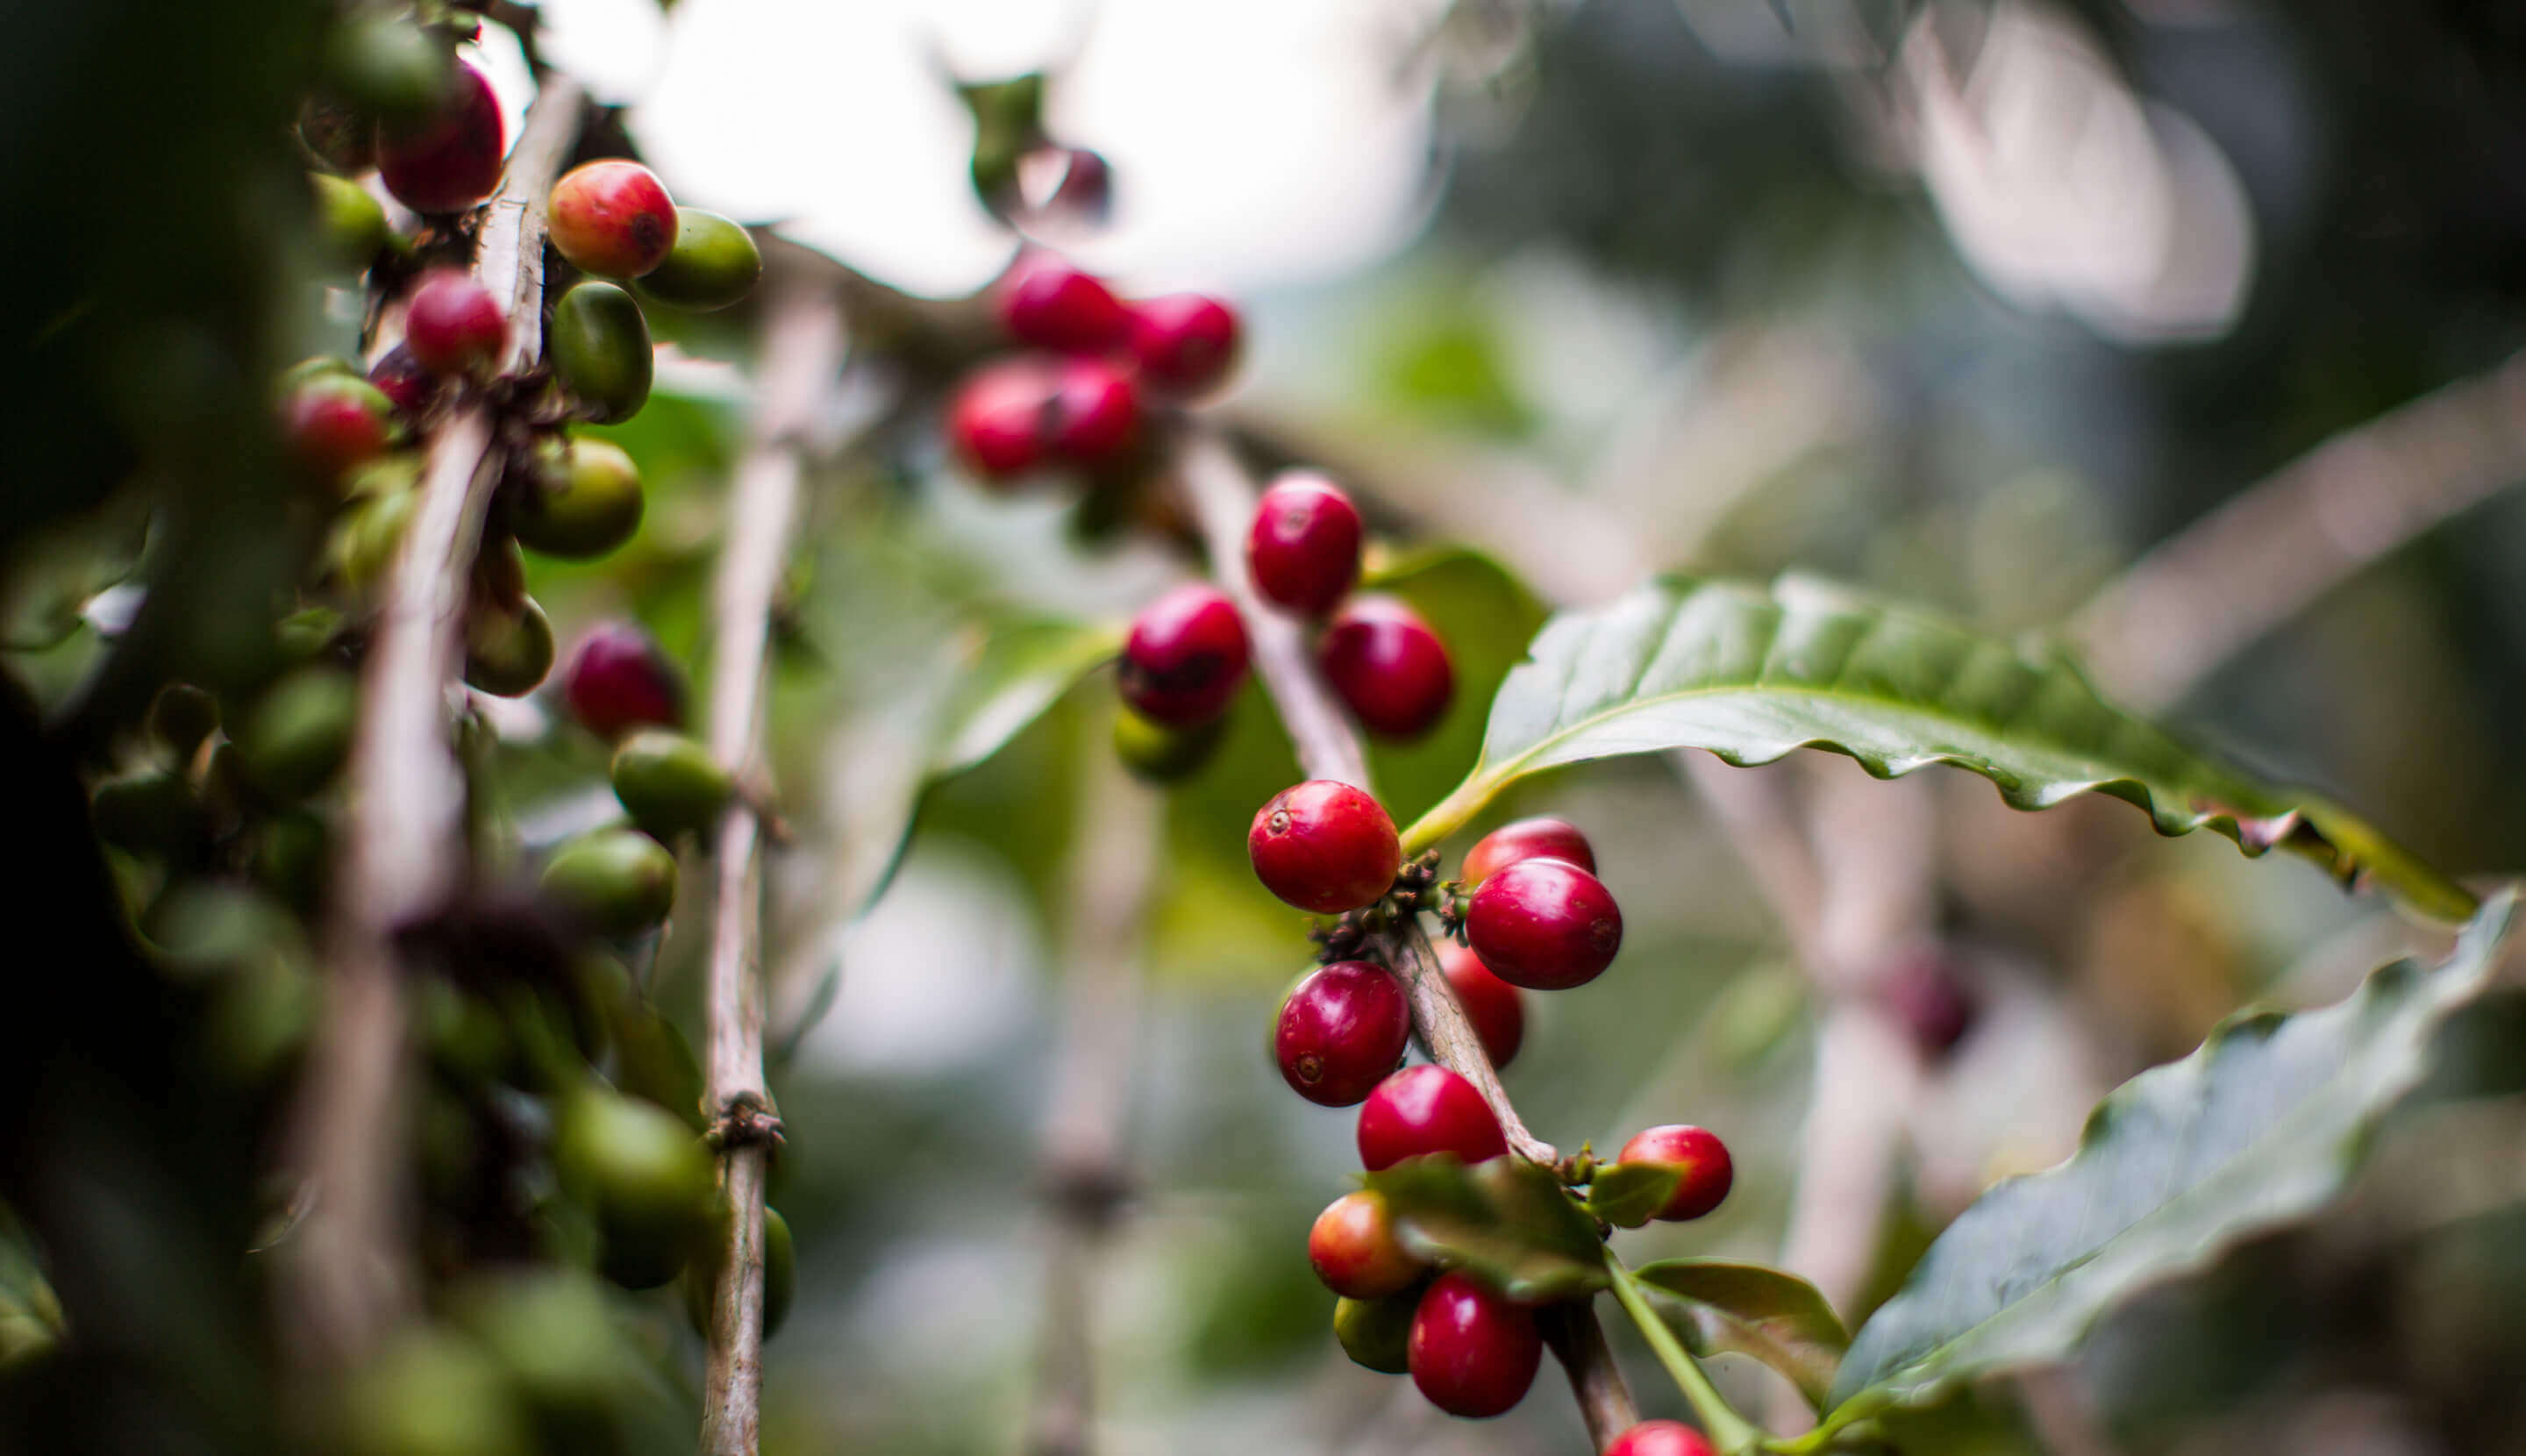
[1750, 672]
[1748, 1309]
[1505, 1219]
[2258, 1128]
[1630, 1195]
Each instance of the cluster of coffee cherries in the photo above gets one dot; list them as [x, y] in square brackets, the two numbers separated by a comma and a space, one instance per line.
[1533, 917]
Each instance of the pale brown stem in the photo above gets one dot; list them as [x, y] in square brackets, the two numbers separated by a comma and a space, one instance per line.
[1578, 1341]
[346, 1278]
[801, 354]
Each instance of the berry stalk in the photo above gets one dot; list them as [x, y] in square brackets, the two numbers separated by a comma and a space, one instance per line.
[1730, 1431]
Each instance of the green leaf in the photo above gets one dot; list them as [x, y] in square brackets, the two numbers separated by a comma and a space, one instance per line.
[1749, 1309]
[1750, 672]
[1022, 669]
[1505, 1219]
[1630, 1195]
[2259, 1128]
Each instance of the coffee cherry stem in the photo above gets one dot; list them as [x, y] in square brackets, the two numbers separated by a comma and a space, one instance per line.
[1730, 1431]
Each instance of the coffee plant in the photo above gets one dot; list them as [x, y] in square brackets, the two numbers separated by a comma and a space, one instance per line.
[488, 639]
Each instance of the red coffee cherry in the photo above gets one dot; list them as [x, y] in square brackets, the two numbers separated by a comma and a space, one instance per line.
[1093, 416]
[1929, 999]
[1325, 846]
[995, 423]
[1495, 1007]
[1340, 1031]
[1661, 1438]
[1527, 840]
[1387, 664]
[1303, 548]
[1545, 925]
[1694, 1152]
[1051, 304]
[1355, 1252]
[613, 218]
[451, 161]
[453, 325]
[618, 680]
[1474, 1352]
[1427, 1109]
[1185, 343]
[334, 424]
[1185, 658]
[401, 378]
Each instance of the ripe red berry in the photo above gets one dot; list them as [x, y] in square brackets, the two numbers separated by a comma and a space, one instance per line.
[402, 379]
[1495, 1007]
[1387, 664]
[451, 161]
[613, 218]
[453, 325]
[1661, 1438]
[618, 680]
[1427, 1109]
[995, 423]
[1474, 1352]
[1095, 413]
[1694, 1152]
[1049, 304]
[1303, 548]
[1340, 1031]
[1545, 925]
[1185, 343]
[1185, 658]
[334, 424]
[1929, 999]
[1325, 846]
[1355, 1252]
[1527, 840]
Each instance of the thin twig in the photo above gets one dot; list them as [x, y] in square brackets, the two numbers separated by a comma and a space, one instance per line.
[801, 354]
[347, 1279]
[1578, 1341]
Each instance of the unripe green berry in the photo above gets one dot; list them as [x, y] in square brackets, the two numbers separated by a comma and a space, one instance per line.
[577, 499]
[507, 653]
[614, 882]
[600, 351]
[432, 1393]
[713, 264]
[780, 1272]
[1378, 1333]
[293, 857]
[181, 716]
[1158, 754]
[643, 1175]
[300, 733]
[351, 223]
[152, 814]
[389, 68]
[668, 784]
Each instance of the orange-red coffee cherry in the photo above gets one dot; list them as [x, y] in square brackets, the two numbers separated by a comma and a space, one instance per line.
[1527, 840]
[1496, 1009]
[1545, 925]
[1186, 657]
[1185, 343]
[1423, 1110]
[453, 325]
[1303, 548]
[1661, 1438]
[1049, 304]
[1094, 414]
[1325, 846]
[451, 161]
[1474, 1352]
[1340, 1031]
[1696, 1154]
[613, 218]
[618, 680]
[1388, 665]
[996, 421]
[334, 424]
[1355, 1252]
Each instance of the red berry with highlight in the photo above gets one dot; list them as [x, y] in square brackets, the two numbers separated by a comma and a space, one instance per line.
[1355, 1252]
[334, 424]
[1325, 846]
[1697, 1154]
[618, 680]
[1388, 667]
[1185, 343]
[1095, 413]
[1496, 1009]
[1303, 548]
[1545, 925]
[1049, 304]
[1473, 1351]
[1185, 658]
[1423, 1110]
[995, 423]
[613, 218]
[453, 325]
[451, 161]
[1341, 1032]
[1930, 1000]
[1527, 840]
[1661, 1438]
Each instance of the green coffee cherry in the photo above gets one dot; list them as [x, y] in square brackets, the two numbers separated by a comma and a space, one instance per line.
[507, 653]
[313, 369]
[1158, 754]
[644, 1177]
[1378, 1333]
[653, 1060]
[582, 499]
[614, 882]
[351, 223]
[390, 69]
[432, 1393]
[300, 733]
[181, 716]
[262, 1016]
[305, 632]
[599, 347]
[360, 553]
[780, 1272]
[293, 857]
[713, 264]
[668, 784]
[153, 814]
[551, 1331]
